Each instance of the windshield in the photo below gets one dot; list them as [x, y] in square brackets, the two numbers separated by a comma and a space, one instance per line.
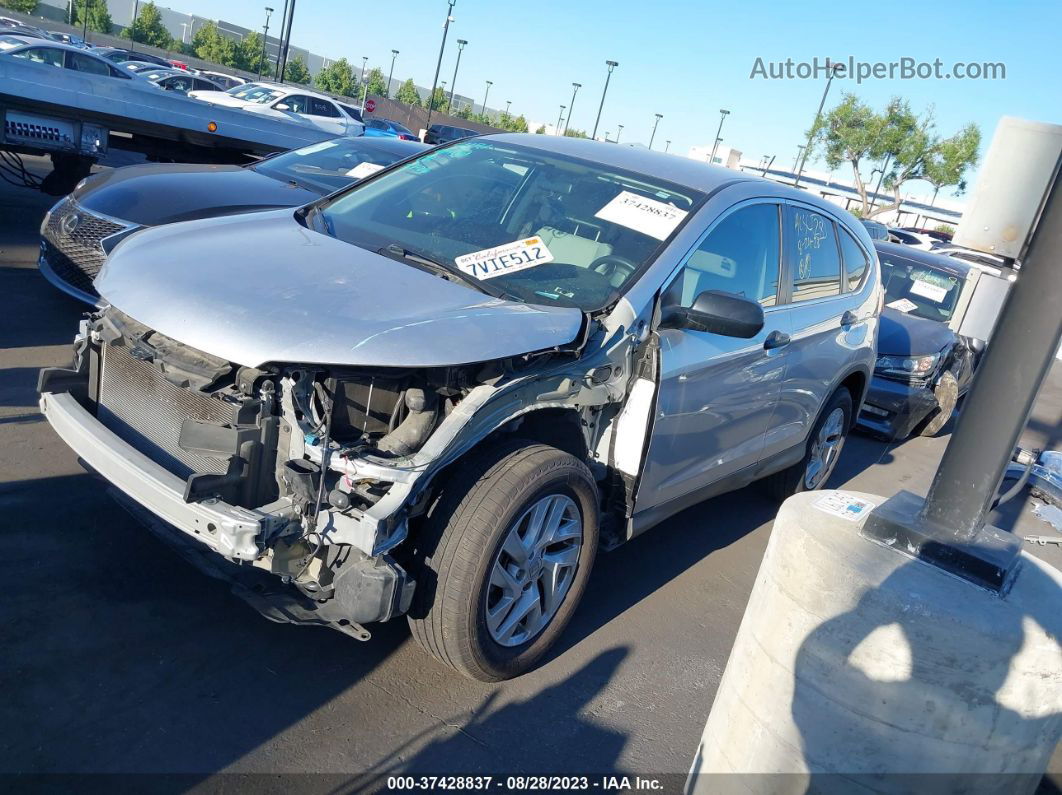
[250, 91]
[541, 227]
[328, 166]
[918, 289]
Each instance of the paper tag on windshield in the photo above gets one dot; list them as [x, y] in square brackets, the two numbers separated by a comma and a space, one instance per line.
[902, 304]
[362, 170]
[321, 147]
[926, 290]
[501, 260]
[647, 216]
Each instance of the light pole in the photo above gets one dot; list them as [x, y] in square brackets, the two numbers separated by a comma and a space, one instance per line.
[667, 145]
[619, 130]
[390, 74]
[652, 135]
[508, 102]
[832, 67]
[438, 64]
[265, 35]
[285, 36]
[723, 113]
[136, 10]
[453, 85]
[485, 93]
[611, 65]
[800, 148]
[280, 41]
[560, 118]
[571, 107]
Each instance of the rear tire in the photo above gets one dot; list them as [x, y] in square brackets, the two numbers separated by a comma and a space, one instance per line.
[473, 584]
[827, 436]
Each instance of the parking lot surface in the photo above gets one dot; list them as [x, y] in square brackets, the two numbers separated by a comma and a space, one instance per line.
[119, 657]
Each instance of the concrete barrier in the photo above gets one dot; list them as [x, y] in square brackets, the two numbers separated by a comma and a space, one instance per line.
[857, 667]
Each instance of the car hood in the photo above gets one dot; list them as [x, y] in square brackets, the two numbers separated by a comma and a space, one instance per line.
[902, 334]
[261, 288]
[156, 194]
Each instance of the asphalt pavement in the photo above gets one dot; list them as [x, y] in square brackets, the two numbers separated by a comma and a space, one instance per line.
[117, 657]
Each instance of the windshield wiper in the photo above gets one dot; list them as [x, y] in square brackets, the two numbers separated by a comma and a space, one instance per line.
[444, 270]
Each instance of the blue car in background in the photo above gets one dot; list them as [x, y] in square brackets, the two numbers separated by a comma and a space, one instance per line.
[376, 128]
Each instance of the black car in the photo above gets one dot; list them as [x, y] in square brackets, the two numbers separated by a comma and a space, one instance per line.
[121, 55]
[79, 231]
[924, 365]
[443, 133]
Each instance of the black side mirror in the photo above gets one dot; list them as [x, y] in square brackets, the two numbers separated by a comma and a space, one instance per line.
[718, 312]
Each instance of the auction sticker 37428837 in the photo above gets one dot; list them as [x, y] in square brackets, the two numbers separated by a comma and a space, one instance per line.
[501, 260]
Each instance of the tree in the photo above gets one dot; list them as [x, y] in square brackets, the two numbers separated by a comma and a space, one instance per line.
[947, 162]
[338, 78]
[147, 28]
[99, 18]
[377, 82]
[438, 99]
[210, 45]
[25, 6]
[571, 132]
[507, 122]
[249, 53]
[541, 130]
[407, 93]
[295, 71]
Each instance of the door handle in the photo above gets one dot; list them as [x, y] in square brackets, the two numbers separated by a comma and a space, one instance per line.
[775, 340]
[849, 318]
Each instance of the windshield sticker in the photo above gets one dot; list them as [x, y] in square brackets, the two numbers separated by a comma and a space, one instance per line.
[647, 216]
[363, 170]
[321, 147]
[847, 506]
[902, 305]
[502, 260]
[933, 292]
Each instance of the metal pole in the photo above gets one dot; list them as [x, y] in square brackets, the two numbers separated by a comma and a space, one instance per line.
[84, 22]
[814, 124]
[571, 107]
[280, 44]
[560, 118]
[1014, 367]
[453, 85]
[132, 39]
[722, 117]
[619, 130]
[485, 94]
[394, 54]
[364, 80]
[653, 134]
[438, 64]
[287, 41]
[611, 65]
[667, 145]
[796, 160]
[767, 167]
[265, 35]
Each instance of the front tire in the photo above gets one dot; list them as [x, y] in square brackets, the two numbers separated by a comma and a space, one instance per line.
[824, 446]
[504, 559]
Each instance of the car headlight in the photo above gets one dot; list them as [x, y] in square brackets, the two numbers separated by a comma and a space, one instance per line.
[906, 367]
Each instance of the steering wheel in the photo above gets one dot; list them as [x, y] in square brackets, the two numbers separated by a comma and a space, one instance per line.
[614, 268]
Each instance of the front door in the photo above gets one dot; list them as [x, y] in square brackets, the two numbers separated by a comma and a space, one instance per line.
[717, 394]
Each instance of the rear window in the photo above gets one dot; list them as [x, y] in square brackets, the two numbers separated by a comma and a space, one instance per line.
[813, 253]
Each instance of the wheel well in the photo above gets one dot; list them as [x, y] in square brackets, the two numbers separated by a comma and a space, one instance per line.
[855, 383]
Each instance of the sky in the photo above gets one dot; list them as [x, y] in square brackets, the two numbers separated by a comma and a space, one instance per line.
[687, 59]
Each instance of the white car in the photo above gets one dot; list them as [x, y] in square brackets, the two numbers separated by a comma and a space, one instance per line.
[289, 102]
[226, 81]
[239, 96]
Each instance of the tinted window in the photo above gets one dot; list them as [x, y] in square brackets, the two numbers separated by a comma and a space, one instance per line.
[322, 107]
[739, 256]
[45, 55]
[813, 254]
[296, 103]
[376, 124]
[354, 113]
[855, 260]
[918, 289]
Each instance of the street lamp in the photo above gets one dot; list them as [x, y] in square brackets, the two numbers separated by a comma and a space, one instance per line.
[560, 118]
[800, 148]
[508, 102]
[438, 64]
[659, 116]
[832, 67]
[667, 145]
[364, 81]
[723, 113]
[611, 65]
[453, 85]
[136, 10]
[619, 130]
[394, 54]
[571, 107]
[485, 93]
[285, 38]
[265, 35]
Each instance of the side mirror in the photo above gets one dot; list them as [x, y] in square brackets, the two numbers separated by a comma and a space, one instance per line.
[282, 106]
[718, 312]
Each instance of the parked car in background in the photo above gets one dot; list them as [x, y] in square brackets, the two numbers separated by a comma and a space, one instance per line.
[938, 317]
[306, 107]
[8, 41]
[121, 55]
[241, 95]
[140, 66]
[178, 80]
[51, 53]
[112, 204]
[442, 133]
[226, 81]
[876, 229]
[176, 64]
[439, 391]
[912, 239]
[990, 263]
[386, 127]
[69, 38]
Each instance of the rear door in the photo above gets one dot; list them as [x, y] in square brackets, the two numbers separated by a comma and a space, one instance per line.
[717, 394]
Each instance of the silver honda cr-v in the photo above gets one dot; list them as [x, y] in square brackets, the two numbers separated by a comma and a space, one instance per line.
[440, 392]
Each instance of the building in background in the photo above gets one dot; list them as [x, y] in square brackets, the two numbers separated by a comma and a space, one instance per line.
[726, 156]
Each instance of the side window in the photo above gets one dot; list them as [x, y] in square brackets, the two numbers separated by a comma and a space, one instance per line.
[855, 260]
[739, 256]
[816, 267]
[295, 104]
[321, 107]
[83, 63]
[45, 55]
[376, 124]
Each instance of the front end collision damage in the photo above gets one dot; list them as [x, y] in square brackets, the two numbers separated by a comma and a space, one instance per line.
[385, 440]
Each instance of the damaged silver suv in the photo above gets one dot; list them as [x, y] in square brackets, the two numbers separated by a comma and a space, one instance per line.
[440, 392]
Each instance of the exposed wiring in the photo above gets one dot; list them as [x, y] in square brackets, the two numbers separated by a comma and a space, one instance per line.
[13, 171]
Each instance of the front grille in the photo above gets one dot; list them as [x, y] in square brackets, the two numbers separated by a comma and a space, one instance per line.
[79, 242]
[65, 269]
[140, 405]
